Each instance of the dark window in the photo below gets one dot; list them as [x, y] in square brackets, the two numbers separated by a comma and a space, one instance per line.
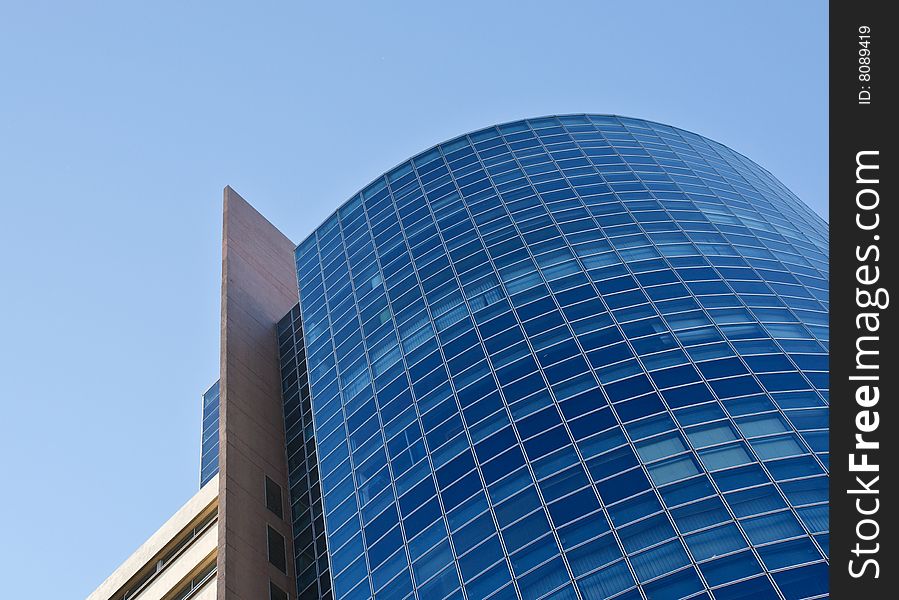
[276, 593]
[276, 552]
[273, 498]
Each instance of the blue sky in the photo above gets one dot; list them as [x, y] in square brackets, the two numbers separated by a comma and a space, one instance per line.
[120, 123]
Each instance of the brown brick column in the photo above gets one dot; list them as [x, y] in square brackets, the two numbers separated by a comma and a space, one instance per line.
[259, 287]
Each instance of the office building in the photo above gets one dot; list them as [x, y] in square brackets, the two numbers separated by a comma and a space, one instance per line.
[570, 357]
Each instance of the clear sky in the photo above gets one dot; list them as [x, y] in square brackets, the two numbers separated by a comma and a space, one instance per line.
[120, 123]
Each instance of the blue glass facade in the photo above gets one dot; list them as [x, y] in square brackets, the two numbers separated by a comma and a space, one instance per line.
[306, 514]
[209, 440]
[571, 357]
